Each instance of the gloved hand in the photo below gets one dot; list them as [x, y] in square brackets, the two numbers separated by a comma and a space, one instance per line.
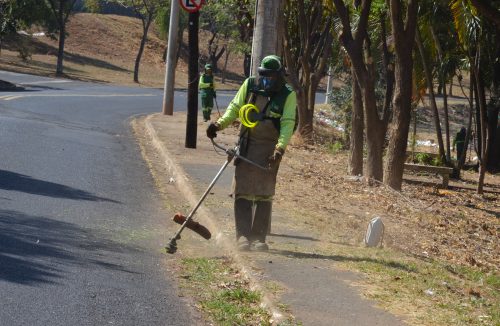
[277, 155]
[212, 130]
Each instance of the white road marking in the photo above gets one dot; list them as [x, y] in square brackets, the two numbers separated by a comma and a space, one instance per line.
[47, 82]
[14, 97]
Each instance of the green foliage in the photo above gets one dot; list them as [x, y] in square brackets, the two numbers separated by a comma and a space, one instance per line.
[428, 159]
[162, 20]
[94, 6]
[335, 147]
[232, 20]
[423, 158]
[226, 299]
[18, 14]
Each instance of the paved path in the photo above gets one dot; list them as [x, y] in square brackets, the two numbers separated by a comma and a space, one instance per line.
[315, 290]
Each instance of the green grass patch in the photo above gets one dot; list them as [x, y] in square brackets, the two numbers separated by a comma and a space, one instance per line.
[223, 294]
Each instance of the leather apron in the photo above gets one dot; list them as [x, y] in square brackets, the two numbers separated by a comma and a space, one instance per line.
[258, 145]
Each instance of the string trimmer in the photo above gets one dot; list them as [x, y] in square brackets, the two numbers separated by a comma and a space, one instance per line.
[187, 222]
[217, 106]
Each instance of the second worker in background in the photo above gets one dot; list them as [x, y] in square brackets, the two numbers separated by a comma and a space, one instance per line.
[207, 92]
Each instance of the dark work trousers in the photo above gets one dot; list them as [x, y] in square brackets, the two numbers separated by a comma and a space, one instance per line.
[252, 218]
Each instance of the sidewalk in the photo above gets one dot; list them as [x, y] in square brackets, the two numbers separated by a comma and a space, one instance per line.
[314, 290]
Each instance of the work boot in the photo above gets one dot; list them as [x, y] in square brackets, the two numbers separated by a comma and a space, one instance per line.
[243, 217]
[262, 218]
[206, 115]
[243, 244]
[260, 246]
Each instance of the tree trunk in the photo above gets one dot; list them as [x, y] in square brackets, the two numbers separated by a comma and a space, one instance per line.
[247, 59]
[145, 25]
[428, 78]
[305, 115]
[461, 160]
[223, 81]
[398, 138]
[357, 123]
[374, 136]
[404, 38]
[446, 122]
[442, 91]
[214, 59]
[484, 130]
[62, 38]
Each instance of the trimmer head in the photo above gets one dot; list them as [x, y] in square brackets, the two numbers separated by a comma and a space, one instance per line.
[192, 225]
[171, 247]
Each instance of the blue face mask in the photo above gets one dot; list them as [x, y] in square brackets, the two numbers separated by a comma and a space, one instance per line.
[267, 83]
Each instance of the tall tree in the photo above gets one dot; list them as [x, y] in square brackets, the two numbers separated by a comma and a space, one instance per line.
[307, 46]
[146, 10]
[61, 11]
[403, 33]
[479, 38]
[430, 87]
[356, 40]
[355, 166]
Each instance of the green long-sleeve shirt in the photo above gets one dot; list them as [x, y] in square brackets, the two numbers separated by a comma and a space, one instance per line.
[287, 119]
[207, 84]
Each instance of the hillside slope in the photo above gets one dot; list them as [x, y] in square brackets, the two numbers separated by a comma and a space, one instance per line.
[103, 48]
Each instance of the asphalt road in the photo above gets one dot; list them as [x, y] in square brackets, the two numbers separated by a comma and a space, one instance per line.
[80, 219]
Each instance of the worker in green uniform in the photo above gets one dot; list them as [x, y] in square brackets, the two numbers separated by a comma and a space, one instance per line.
[459, 142]
[207, 92]
[264, 144]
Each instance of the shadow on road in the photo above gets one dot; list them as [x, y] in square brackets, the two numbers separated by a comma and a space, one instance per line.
[19, 182]
[297, 254]
[37, 249]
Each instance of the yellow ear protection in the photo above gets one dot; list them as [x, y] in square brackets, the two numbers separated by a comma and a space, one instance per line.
[246, 115]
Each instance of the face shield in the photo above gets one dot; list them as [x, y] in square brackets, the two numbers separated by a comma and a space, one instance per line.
[268, 81]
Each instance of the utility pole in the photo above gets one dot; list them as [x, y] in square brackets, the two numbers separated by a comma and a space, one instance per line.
[268, 32]
[192, 101]
[173, 33]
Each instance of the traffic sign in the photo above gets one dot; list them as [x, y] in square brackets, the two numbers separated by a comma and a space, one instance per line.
[191, 5]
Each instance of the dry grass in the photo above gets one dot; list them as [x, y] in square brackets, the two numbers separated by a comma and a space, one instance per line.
[103, 48]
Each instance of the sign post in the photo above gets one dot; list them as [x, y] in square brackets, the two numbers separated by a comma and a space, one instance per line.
[193, 7]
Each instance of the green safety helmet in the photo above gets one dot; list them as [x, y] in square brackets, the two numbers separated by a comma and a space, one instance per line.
[270, 64]
[208, 66]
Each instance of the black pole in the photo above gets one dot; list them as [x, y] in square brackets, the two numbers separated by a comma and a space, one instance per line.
[192, 103]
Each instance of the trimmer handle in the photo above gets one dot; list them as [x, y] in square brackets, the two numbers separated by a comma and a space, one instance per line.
[234, 152]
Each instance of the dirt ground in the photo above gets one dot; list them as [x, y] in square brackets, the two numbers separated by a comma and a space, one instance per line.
[454, 225]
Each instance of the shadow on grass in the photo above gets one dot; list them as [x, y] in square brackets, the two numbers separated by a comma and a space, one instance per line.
[38, 47]
[302, 255]
[293, 236]
[38, 249]
[23, 183]
[470, 186]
